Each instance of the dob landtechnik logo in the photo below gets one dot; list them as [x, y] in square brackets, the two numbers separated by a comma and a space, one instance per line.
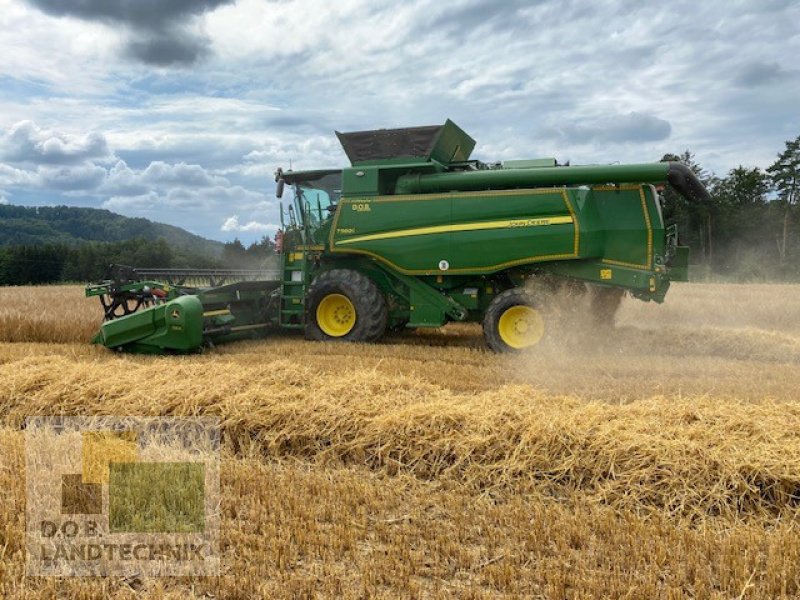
[122, 496]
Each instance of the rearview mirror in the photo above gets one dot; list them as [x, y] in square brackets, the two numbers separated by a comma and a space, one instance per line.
[279, 180]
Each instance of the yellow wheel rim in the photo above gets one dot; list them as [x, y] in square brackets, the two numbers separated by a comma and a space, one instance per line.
[336, 315]
[521, 327]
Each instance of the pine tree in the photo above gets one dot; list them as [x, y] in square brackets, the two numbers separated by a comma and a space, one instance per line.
[785, 174]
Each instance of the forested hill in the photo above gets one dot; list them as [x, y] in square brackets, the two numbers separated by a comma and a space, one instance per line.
[32, 226]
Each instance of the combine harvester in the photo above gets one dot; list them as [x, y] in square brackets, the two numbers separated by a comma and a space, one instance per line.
[415, 234]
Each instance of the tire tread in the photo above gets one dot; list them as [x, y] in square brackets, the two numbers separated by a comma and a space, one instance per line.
[369, 302]
[501, 303]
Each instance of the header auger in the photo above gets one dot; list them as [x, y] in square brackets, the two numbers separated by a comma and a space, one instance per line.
[416, 234]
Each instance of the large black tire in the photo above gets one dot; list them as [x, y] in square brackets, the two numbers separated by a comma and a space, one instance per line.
[495, 337]
[371, 314]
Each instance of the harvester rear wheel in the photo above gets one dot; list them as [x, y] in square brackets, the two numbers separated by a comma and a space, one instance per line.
[345, 305]
[513, 322]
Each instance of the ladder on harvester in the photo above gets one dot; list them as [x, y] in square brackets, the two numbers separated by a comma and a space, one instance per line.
[293, 289]
[294, 280]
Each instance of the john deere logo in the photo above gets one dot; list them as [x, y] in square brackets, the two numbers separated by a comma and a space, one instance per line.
[175, 314]
[115, 496]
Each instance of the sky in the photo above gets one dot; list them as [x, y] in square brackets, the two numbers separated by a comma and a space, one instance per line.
[180, 111]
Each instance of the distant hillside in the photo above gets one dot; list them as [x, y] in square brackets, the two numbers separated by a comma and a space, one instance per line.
[23, 225]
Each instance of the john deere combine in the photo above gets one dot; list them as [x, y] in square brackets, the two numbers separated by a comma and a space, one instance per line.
[415, 234]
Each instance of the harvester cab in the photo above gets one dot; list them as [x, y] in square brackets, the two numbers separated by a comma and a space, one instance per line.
[415, 233]
[315, 197]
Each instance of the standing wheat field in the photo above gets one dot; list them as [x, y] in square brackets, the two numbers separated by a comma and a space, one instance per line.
[658, 459]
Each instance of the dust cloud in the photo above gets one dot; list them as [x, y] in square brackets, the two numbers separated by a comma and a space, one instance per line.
[738, 341]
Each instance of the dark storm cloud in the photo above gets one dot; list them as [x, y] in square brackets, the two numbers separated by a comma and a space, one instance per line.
[145, 14]
[161, 32]
[179, 48]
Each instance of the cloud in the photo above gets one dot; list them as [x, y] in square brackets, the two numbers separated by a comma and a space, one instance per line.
[124, 181]
[159, 32]
[193, 146]
[632, 127]
[139, 205]
[3, 198]
[232, 224]
[81, 178]
[180, 47]
[25, 142]
[757, 74]
[180, 174]
[12, 176]
[179, 203]
[468, 17]
[77, 167]
[172, 184]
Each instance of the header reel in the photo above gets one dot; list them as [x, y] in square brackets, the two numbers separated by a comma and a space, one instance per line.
[122, 292]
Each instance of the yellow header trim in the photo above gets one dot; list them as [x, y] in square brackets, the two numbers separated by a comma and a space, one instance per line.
[478, 226]
[649, 226]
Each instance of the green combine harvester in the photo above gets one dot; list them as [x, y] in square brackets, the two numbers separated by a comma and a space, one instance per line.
[415, 234]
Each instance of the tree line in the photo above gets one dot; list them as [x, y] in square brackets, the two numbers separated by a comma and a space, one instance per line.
[88, 261]
[750, 230]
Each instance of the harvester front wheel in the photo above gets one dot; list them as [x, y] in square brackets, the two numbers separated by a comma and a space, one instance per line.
[345, 305]
[512, 322]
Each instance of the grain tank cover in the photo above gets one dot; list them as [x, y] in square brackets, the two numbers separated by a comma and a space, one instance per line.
[443, 143]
